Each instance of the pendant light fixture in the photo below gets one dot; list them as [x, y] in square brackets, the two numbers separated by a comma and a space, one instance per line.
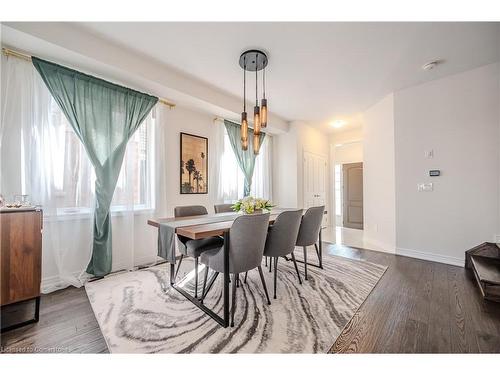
[256, 109]
[253, 61]
[244, 121]
[263, 102]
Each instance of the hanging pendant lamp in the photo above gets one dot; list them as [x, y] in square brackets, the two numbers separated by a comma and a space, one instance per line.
[253, 61]
[244, 121]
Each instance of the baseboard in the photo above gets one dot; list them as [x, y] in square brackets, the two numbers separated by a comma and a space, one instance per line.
[430, 256]
[52, 283]
[379, 246]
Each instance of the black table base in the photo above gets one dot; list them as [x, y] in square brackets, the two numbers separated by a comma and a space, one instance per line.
[224, 320]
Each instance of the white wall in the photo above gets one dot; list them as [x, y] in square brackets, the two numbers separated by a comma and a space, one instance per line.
[285, 164]
[197, 123]
[347, 146]
[379, 175]
[458, 118]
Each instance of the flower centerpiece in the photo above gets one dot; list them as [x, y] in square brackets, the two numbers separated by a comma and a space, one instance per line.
[250, 205]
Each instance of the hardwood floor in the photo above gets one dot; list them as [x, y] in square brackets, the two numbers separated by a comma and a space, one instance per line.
[417, 307]
[420, 307]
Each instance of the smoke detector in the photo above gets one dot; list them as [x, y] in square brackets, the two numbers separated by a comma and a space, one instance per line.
[431, 64]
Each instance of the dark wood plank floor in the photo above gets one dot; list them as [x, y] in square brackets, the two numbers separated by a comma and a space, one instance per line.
[417, 307]
[420, 307]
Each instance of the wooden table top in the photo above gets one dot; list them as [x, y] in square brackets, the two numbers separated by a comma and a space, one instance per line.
[199, 231]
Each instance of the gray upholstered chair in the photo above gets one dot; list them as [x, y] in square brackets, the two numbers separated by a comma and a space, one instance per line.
[281, 239]
[218, 208]
[309, 231]
[194, 248]
[247, 238]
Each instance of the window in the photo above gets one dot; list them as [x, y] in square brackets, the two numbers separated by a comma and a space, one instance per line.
[232, 180]
[74, 178]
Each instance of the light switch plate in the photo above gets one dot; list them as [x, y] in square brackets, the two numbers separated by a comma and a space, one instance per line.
[429, 154]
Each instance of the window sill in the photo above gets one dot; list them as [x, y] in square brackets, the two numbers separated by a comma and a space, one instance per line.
[86, 213]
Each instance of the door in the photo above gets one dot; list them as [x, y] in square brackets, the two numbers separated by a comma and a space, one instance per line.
[353, 195]
[314, 169]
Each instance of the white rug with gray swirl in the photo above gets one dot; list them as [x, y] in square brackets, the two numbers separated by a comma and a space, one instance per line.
[138, 312]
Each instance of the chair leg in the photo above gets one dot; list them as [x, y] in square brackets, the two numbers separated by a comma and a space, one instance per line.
[305, 262]
[246, 274]
[195, 277]
[233, 304]
[205, 277]
[264, 284]
[265, 261]
[296, 268]
[270, 264]
[212, 282]
[275, 275]
[317, 251]
[178, 266]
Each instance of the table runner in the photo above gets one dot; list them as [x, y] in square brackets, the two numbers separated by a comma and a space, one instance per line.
[166, 231]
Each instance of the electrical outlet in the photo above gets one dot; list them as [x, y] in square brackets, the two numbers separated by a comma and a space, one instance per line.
[429, 154]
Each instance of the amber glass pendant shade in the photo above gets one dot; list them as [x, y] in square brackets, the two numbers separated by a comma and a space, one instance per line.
[263, 113]
[256, 120]
[244, 144]
[256, 143]
[244, 126]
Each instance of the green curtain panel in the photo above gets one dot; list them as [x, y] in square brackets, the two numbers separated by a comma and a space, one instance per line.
[246, 159]
[104, 116]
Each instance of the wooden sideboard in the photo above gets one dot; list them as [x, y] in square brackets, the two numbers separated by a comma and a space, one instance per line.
[21, 258]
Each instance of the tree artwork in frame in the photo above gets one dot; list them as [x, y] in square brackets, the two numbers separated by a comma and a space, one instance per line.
[194, 164]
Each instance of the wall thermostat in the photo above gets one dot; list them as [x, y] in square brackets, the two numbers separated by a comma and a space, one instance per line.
[435, 173]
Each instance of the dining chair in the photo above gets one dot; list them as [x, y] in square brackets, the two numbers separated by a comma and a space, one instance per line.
[218, 208]
[194, 248]
[281, 239]
[247, 239]
[309, 232]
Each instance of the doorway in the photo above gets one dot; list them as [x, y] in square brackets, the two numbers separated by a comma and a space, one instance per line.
[315, 169]
[349, 195]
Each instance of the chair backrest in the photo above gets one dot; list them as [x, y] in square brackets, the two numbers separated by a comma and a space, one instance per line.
[310, 226]
[282, 236]
[218, 208]
[247, 238]
[182, 211]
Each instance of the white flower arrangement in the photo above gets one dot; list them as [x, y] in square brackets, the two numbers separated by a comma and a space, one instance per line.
[250, 204]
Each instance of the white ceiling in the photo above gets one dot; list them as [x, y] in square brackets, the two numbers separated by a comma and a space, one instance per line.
[317, 72]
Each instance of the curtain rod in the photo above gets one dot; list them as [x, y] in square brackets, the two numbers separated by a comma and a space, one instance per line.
[23, 56]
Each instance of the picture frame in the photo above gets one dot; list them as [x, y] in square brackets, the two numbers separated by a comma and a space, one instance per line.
[193, 164]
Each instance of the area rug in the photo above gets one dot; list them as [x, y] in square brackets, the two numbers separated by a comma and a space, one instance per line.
[138, 312]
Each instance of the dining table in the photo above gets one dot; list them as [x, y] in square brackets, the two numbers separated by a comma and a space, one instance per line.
[204, 226]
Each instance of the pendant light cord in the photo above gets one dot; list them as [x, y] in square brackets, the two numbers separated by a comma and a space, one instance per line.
[264, 81]
[256, 78]
[245, 84]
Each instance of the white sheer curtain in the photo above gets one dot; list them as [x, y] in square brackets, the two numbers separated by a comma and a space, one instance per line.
[41, 156]
[35, 151]
[231, 179]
